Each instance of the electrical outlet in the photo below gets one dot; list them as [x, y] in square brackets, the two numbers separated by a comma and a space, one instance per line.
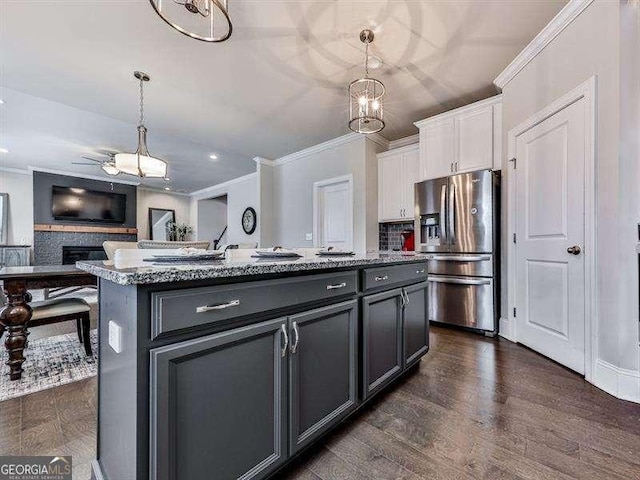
[308, 236]
[115, 336]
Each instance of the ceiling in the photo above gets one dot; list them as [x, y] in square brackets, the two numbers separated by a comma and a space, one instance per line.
[277, 86]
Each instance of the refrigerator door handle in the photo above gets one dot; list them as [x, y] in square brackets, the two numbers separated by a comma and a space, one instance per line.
[452, 214]
[461, 258]
[443, 214]
[459, 281]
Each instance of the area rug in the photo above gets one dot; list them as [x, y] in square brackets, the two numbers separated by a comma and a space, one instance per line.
[51, 362]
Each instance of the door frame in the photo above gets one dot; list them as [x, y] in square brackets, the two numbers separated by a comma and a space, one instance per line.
[316, 205]
[508, 324]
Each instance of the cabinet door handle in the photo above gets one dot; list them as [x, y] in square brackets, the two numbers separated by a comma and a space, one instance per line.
[283, 328]
[296, 332]
[406, 295]
[337, 286]
[222, 306]
[381, 279]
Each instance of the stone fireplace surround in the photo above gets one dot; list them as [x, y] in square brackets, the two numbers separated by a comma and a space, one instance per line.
[50, 234]
[47, 246]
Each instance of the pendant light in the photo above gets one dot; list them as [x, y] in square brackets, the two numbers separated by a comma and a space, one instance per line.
[141, 163]
[206, 20]
[365, 97]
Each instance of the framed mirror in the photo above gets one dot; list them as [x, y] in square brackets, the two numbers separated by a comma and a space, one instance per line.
[159, 219]
[4, 218]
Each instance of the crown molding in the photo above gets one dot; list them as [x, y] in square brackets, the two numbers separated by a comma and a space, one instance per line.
[17, 171]
[395, 151]
[495, 100]
[87, 177]
[564, 17]
[264, 161]
[334, 142]
[220, 188]
[403, 142]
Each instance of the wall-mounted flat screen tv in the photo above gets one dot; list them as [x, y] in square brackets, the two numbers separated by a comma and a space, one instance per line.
[81, 205]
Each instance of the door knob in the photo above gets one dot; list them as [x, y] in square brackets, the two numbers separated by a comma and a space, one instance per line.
[575, 250]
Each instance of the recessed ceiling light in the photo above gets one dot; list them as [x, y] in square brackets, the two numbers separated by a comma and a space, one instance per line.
[167, 188]
[213, 156]
[4, 150]
[1, 101]
[167, 179]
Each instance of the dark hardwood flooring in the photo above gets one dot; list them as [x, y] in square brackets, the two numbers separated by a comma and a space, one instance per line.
[475, 408]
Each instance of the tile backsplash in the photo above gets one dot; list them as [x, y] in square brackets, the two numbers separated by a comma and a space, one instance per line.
[389, 235]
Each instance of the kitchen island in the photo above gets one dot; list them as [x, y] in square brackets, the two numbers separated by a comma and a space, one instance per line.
[229, 369]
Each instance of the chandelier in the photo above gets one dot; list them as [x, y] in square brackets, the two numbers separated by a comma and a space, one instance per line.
[206, 20]
[365, 97]
[141, 163]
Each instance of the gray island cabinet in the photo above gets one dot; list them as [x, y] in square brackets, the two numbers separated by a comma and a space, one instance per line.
[228, 370]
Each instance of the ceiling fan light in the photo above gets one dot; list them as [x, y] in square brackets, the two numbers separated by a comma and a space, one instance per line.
[110, 169]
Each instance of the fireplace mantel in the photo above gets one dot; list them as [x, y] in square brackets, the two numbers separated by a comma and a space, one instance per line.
[84, 229]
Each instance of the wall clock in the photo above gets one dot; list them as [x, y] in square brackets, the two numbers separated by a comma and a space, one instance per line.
[249, 221]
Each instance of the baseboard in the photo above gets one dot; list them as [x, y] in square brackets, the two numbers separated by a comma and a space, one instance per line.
[619, 382]
[96, 471]
[505, 330]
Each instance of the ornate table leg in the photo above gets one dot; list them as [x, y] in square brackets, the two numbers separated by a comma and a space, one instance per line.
[14, 317]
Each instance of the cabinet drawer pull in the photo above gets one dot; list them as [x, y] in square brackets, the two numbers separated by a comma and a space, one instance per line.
[337, 286]
[381, 279]
[283, 328]
[296, 332]
[222, 306]
[420, 271]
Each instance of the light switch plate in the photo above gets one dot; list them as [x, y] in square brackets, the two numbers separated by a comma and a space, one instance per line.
[309, 236]
[115, 336]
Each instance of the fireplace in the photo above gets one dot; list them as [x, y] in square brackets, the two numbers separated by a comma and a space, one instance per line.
[71, 255]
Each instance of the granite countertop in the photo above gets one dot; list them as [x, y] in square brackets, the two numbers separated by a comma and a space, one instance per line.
[145, 273]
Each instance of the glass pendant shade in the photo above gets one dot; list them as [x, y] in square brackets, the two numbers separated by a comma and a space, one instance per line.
[366, 110]
[141, 163]
[206, 20]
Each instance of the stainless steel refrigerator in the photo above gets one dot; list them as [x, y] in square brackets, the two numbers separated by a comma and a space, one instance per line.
[457, 220]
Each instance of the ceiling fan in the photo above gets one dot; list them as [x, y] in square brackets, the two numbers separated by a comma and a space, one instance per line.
[108, 166]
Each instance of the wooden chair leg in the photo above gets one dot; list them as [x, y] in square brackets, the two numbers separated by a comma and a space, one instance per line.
[79, 329]
[86, 330]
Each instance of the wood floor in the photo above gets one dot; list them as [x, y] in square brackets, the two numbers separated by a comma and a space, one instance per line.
[475, 408]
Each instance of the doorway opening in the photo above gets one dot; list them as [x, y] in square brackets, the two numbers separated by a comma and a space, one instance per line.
[212, 221]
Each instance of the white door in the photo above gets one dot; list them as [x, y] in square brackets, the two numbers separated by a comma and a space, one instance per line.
[390, 184]
[474, 137]
[550, 210]
[436, 149]
[334, 214]
[410, 176]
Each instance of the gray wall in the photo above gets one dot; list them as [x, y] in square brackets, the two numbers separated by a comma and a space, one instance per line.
[293, 192]
[42, 183]
[591, 45]
[19, 186]
[181, 204]
[212, 218]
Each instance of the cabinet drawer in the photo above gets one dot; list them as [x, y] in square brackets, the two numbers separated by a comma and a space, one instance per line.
[179, 309]
[383, 277]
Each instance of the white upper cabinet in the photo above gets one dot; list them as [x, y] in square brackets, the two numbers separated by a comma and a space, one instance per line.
[462, 140]
[398, 171]
[437, 159]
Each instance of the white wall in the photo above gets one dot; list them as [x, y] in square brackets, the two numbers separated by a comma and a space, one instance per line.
[19, 186]
[293, 179]
[155, 199]
[590, 46]
[241, 193]
[212, 219]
